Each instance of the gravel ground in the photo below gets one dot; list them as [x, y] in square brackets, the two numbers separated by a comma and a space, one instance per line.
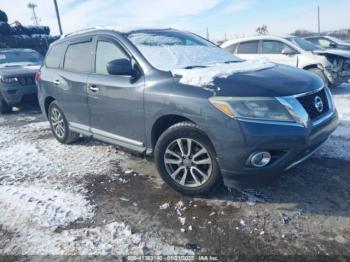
[94, 199]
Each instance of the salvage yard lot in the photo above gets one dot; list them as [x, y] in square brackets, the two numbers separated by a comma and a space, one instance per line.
[91, 198]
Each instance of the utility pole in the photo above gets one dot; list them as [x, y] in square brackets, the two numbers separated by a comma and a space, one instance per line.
[58, 17]
[34, 18]
[208, 37]
[318, 20]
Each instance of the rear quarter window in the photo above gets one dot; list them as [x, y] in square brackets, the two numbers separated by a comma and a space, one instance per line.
[54, 56]
[78, 57]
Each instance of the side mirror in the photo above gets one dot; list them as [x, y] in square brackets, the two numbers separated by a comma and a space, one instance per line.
[120, 67]
[332, 45]
[288, 51]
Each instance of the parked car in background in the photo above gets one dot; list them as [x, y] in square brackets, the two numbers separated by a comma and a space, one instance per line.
[17, 72]
[329, 42]
[332, 66]
[203, 113]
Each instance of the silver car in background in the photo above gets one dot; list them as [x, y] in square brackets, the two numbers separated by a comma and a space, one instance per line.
[332, 66]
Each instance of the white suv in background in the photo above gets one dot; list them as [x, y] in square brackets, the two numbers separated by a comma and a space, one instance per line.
[331, 67]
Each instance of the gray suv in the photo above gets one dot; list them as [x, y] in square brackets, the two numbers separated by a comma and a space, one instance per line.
[204, 114]
[17, 72]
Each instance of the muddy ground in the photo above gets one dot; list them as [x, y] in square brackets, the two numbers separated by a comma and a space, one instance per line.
[304, 212]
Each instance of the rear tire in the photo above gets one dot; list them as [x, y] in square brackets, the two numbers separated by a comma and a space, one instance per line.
[59, 125]
[4, 107]
[186, 160]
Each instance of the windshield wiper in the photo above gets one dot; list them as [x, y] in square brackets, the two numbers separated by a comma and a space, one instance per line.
[195, 66]
[233, 61]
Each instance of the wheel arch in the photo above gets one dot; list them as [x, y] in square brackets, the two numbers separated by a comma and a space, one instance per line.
[311, 66]
[48, 100]
[163, 123]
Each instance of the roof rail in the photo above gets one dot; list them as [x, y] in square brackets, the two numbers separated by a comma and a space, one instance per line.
[89, 29]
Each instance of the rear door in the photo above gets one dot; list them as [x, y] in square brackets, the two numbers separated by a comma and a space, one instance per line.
[71, 81]
[115, 101]
[272, 50]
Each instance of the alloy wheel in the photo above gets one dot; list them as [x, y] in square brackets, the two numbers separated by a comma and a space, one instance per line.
[57, 123]
[188, 162]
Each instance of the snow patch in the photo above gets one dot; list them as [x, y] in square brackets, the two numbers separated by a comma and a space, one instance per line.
[205, 76]
[46, 207]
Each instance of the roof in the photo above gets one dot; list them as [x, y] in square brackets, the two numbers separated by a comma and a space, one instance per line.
[98, 29]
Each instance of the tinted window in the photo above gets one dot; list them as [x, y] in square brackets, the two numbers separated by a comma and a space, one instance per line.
[313, 40]
[248, 47]
[54, 57]
[106, 52]
[78, 57]
[273, 47]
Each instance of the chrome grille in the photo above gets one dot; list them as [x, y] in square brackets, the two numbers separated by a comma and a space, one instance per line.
[308, 102]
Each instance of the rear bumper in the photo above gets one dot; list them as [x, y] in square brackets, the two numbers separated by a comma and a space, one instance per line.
[290, 146]
[16, 94]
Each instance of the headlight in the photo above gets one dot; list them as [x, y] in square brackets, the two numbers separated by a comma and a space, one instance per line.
[8, 80]
[260, 108]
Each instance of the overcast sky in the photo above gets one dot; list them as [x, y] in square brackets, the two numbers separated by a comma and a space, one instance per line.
[233, 17]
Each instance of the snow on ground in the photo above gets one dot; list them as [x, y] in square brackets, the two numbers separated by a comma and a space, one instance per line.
[40, 193]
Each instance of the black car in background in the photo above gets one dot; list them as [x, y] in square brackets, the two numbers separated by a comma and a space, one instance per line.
[17, 77]
[329, 42]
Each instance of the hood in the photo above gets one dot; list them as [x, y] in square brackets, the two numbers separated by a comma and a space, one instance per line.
[276, 81]
[15, 70]
[250, 78]
[336, 52]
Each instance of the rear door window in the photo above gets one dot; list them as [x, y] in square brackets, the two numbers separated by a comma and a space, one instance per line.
[250, 47]
[55, 55]
[78, 58]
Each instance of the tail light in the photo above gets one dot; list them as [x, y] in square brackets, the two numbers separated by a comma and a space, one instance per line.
[37, 76]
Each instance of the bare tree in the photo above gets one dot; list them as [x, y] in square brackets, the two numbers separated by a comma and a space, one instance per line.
[262, 30]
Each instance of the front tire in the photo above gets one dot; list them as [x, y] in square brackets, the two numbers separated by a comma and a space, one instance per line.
[59, 125]
[4, 107]
[186, 160]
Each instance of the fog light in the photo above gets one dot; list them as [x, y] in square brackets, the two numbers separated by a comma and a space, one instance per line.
[260, 159]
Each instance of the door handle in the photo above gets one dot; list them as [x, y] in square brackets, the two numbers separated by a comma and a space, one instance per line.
[57, 82]
[94, 88]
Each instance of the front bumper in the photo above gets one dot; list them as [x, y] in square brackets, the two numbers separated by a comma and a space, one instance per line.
[290, 145]
[15, 94]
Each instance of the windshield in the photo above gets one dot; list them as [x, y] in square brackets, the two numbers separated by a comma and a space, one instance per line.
[167, 50]
[304, 44]
[13, 57]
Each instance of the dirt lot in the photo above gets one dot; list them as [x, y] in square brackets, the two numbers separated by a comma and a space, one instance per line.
[93, 199]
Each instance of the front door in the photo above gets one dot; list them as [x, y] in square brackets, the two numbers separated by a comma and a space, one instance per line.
[115, 101]
[272, 50]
